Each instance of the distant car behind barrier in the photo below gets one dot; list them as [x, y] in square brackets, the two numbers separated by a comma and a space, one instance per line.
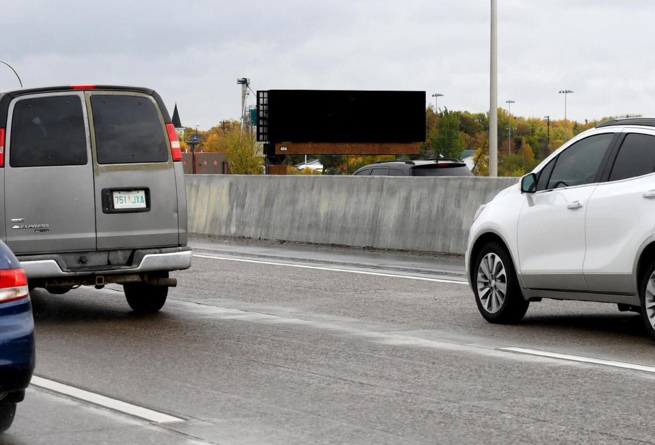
[441, 167]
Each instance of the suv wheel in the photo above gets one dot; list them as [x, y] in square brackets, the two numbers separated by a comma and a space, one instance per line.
[497, 291]
[7, 414]
[144, 298]
[647, 297]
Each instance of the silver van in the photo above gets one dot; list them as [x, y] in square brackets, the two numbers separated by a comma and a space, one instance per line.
[93, 190]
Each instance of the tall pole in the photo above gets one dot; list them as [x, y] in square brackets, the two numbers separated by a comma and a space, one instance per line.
[244, 82]
[193, 152]
[493, 102]
[565, 93]
[436, 102]
[509, 117]
[547, 134]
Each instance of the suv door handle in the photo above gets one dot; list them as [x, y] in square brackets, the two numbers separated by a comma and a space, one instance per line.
[574, 205]
[650, 194]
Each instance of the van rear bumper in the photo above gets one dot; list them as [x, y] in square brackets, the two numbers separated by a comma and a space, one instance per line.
[145, 260]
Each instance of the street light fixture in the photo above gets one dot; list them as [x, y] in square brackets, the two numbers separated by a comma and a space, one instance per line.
[565, 93]
[436, 102]
[12, 68]
[548, 135]
[509, 113]
[245, 84]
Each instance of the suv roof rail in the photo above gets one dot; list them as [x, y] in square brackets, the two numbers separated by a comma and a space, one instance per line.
[386, 162]
[643, 121]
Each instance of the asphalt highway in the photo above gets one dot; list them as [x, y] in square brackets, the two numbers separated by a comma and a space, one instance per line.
[272, 344]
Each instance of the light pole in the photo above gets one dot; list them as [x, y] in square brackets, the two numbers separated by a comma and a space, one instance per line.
[193, 150]
[493, 96]
[245, 83]
[12, 68]
[436, 102]
[565, 93]
[509, 116]
[547, 136]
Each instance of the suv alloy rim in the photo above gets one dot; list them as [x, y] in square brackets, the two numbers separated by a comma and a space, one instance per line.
[650, 300]
[492, 283]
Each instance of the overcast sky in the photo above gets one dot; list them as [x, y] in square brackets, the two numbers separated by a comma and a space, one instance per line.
[192, 52]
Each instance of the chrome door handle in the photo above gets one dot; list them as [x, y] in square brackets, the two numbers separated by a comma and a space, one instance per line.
[650, 194]
[574, 205]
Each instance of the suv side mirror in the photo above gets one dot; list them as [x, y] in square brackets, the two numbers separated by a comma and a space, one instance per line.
[529, 183]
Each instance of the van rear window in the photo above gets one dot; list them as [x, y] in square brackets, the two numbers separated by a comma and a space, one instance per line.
[127, 130]
[48, 131]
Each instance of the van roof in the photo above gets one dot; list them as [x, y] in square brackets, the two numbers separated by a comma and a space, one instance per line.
[7, 96]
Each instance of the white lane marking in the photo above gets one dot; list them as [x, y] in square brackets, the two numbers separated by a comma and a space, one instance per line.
[580, 359]
[97, 399]
[416, 339]
[332, 269]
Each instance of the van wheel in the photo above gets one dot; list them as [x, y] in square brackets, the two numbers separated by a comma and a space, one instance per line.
[647, 297]
[7, 414]
[145, 299]
[497, 291]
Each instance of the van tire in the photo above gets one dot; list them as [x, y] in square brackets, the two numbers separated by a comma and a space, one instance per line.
[7, 414]
[144, 298]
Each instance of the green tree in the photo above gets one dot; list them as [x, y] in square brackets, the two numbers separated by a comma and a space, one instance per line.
[332, 164]
[447, 140]
[243, 154]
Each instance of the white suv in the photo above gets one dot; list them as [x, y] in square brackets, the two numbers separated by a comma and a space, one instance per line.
[579, 227]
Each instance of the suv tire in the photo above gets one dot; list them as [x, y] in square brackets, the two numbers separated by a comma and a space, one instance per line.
[647, 298]
[144, 298]
[7, 414]
[497, 291]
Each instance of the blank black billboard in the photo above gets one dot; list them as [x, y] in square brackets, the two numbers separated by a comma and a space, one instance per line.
[346, 116]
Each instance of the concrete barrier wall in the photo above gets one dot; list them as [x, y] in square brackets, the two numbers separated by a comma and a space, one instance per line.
[420, 214]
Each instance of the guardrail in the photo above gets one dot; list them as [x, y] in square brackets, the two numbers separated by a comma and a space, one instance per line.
[415, 214]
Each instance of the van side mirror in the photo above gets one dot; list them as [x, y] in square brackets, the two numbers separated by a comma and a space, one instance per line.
[529, 183]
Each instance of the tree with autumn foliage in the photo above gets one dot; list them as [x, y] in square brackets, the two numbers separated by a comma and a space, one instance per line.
[244, 155]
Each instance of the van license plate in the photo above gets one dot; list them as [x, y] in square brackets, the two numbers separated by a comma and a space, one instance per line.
[134, 199]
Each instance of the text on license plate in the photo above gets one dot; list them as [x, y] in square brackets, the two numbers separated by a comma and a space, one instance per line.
[134, 199]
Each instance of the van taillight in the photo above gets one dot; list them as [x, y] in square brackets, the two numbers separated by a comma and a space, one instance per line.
[13, 285]
[175, 143]
[2, 147]
[83, 87]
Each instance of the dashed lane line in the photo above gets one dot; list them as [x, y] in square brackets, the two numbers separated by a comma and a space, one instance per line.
[333, 269]
[106, 402]
[580, 359]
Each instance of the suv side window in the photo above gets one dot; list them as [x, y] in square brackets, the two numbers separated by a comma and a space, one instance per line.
[396, 172]
[365, 172]
[127, 130]
[48, 131]
[380, 171]
[636, 157]
[578, 164]
[544, 175]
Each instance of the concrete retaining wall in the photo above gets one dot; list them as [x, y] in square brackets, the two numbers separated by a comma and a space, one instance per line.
[421, 214]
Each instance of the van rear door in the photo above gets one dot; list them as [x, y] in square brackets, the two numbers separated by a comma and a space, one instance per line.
[49, 193]
[135, 184]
